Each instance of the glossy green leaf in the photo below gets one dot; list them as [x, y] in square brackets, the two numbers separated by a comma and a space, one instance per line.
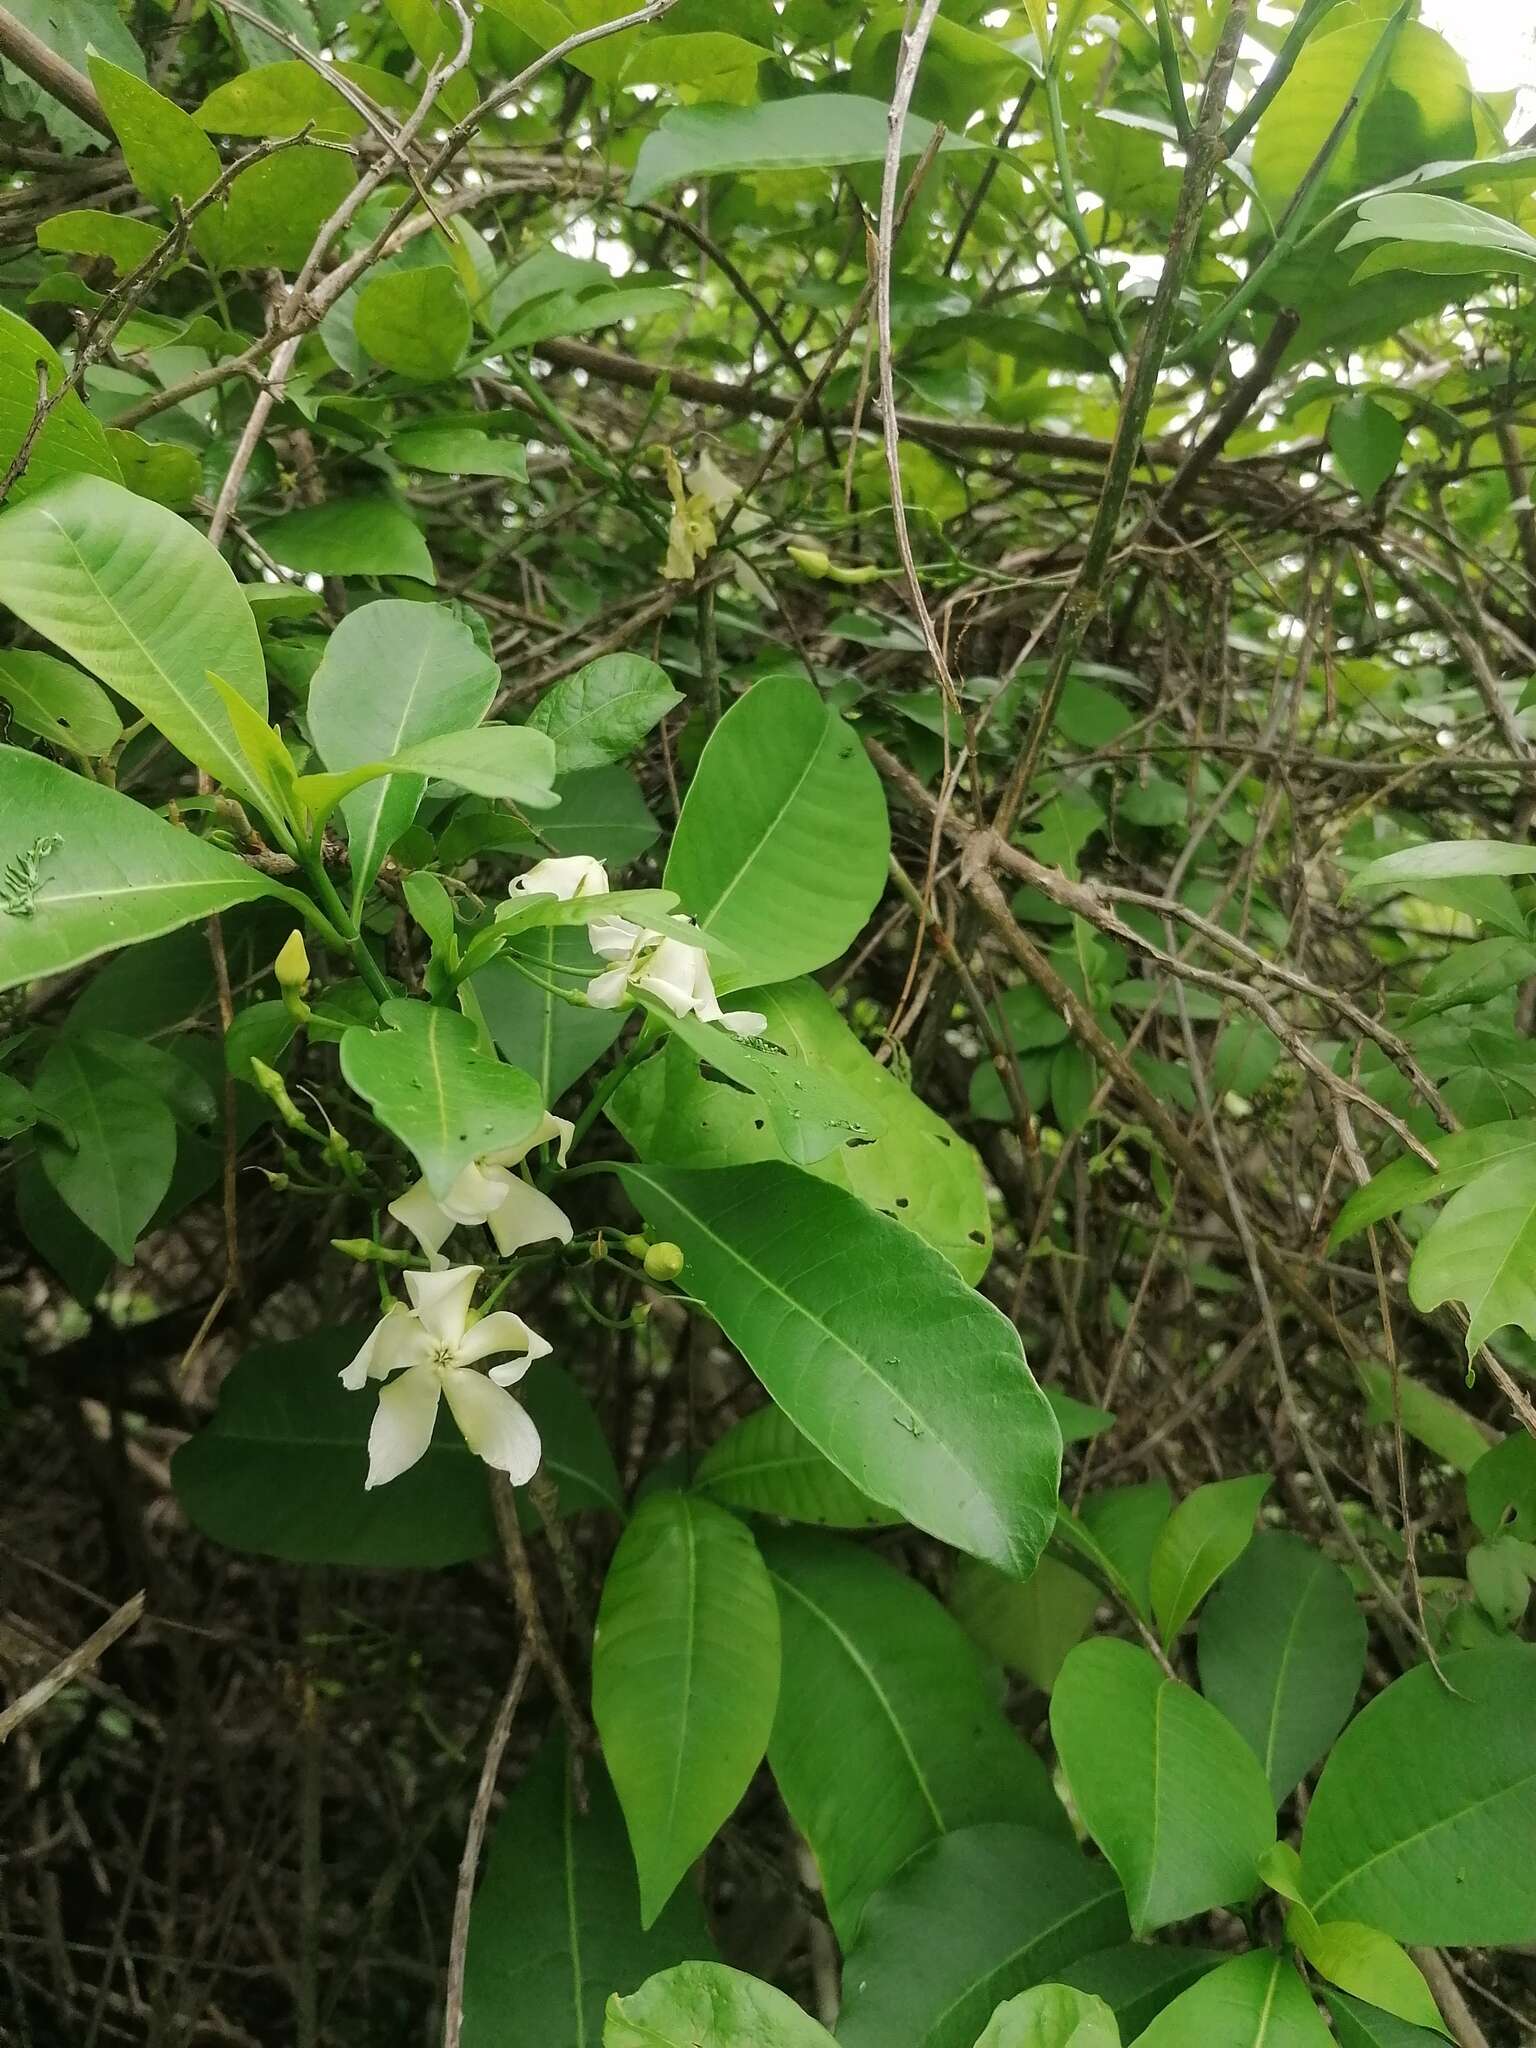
[427, 1080]
[978, 1916]
[554, 1041]
[705, 2005]
[1501, 1489]
[1368, 1963]
[140, 599]
[1282, 1653]
[58, 703]
[914, 1168]
[1167, 1788]
[556, 1920]
[72, 29]
[1441, 1425]
[915, 1387]
[116, 1165]
[279, 1471]
[1030, 1625]
[1462, 1155]
[1427, 1803]
[1052, 2016]
[1118, 1532]
[1205, 1536]
[685, 1677]
[71, 442]
[280, 99]
[1255, 2001]
[1138, 1979]
[809, 1116]
[273, 210]
[115, 238]
[106, 871]
[460, 451]
[765, 1466]
[888, 1734]
[169, 157]
[393, 673]
[350, 537]
[1367, 443]
[782, 845]
[1481, 1251]
[803, 133]
[603, 712]
[1446, 860]
[166, 472]
[1474, 974]
[414, 322]
[1361, 2025]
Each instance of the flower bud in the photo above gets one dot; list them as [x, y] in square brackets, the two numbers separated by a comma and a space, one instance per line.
[292, 964]
[367, 1253]
[664, 1261]
[637, 1247]
[270, 1082]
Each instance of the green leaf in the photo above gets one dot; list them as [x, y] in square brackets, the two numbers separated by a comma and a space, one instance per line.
[705, 2005]
[429, 1083]
[1052, 2016]
[1481, 1251]
[506, 761]
[1282, 1654]
[710, 59]
[1255, 2001]
[272, 211]
[1501, 1489]
[280, 99]
[1205, 1535]
[393, 673]
[118, 238]
[554, 1041]
[1118, 1531]
[58, 703]
[108, 871]
[1428, 1795]
[915, 1387]
[460, 451]
[914, 1169]
[415, 322]
[1367, 1962]
[279, 1471]
[72, 29]
[1366, 2026]
[1167, 1788]
[1367, 443]
[1137, 1981]
[1030, 1627]
[164, 471]
[766, 1467]
[169, 157]
[1454, 1436]
[1446, 860]
[1462, 1156]
[114, 1170]
[71, 442]
[1473, 974]
[140, 599]
[685, 1676]
[350, 537]
[1439, 236]
[556, 1920]
[976, 1917]
[782, 845]
[805, 133]
[604, 711]
[809, 1117]
[888, 1733]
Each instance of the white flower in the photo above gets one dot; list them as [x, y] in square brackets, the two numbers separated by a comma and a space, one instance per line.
[580, 875]
[488, 1192]
[652, 963]
[433, 1347]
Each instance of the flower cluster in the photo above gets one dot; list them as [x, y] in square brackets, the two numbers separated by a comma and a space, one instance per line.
[647, 962]
[428, 1353]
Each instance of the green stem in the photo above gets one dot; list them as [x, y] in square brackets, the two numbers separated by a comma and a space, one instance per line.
[1173, 78]
[1075, 222]
[342, 918]
[640, 1051]
[1295, 42]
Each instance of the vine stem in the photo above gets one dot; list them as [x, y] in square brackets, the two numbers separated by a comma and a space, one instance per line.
[345, 924]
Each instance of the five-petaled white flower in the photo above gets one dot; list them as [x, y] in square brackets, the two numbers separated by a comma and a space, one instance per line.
[434, 1347]
[579, 875]
[489, 1192]
[653, 963]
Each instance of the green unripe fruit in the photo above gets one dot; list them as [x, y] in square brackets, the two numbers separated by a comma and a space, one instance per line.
[664, 1261]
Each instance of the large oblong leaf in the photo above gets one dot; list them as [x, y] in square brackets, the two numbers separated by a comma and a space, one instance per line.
[71, 441]
[1481, 1251]
[114, 1166]
[685, 1676]
[140, 599]
[977, 1917]
[1282, 1653]
[556, 1920]
[393, 673]
[1255, 2001]
[1206, 1533]
[888, 1731]
[603, 712]
[1167, 1788]
[782, 845]
[705, 2005]
[107, 872]
[767, 1467]
[446, 1101]
[913, 1385]
[1423, 1819]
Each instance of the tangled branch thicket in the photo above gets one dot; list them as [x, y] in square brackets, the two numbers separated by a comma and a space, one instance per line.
[1152, 678]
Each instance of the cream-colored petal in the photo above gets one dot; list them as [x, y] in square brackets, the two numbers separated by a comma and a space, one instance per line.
[495, 1427]
[744, 1023]
[608, 991]
[442, 1300]
[396, 1341]
[476, 1192]
[527, 1217]
[500, 1331]
[402, 1423]
[423, 1216]
[554, 1127]
[613, 938]
[671, 976]
[577, 875]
